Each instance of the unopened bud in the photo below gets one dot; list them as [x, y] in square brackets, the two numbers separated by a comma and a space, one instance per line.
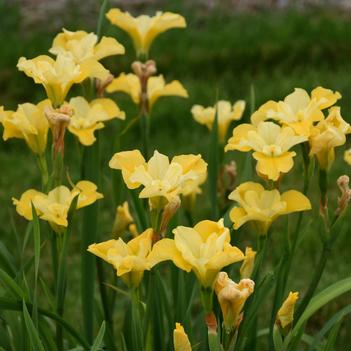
[169, 211]
[59, 119]
[230, 172]
[344, 198]
[144, 70]
[101, 85]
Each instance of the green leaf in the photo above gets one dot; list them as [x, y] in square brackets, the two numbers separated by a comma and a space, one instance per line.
[333, 337]
[317, 302]
[11, 286]
[100, 337]
[32, 331]
[277, 339]
[337, 317]
[6, 260]
[36, 239]
[15, 305]
[214, 343]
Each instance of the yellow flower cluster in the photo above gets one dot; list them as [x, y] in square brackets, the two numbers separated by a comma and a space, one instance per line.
[226, 113]
[278, 126]
[161, 179]
[54, 206]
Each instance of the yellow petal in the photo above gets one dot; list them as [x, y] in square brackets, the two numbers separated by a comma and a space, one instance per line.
[126, 83]
[325, 97]
[347, 156]
[295, 201]
[108, 47]
[86, 136]
[102, 249]
[24, 204]
[239, 133]
[180, 339]
[266, 111]
[165, 250]
[110, 107]
[157, 88]
[127, 161]
[88, 193]
[271, 166]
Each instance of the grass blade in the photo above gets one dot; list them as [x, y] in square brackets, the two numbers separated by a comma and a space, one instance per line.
[98, 341]
[32, 331]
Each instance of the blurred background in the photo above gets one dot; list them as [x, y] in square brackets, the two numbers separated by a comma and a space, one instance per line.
[254, 50]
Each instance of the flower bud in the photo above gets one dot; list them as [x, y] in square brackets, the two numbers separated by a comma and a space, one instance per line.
[248, 263]
[232, 297]
[144, 71]
[285, 315]
[101, 85]
[180, 339]
[169, 211]
[59, 119]
[345, 196]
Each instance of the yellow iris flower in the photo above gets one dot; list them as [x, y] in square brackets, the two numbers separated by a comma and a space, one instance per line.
[84, 46]
[54, 206]
[204, 249]
[264, 206]
[156, 87]
[226, 113]
[285, 315]
[161, 179]
[89, 117]
[327, 135]
[58, 76]
[180, 339]
[270, 143]
[144, 29]
[232, 297]
[129, 259]
[247, 266]
[28, 122]
[298, 110]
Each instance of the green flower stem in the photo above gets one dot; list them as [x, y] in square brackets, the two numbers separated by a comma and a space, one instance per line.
[43, 167]
[61, 284]
[145, 133]
[137, 339]
[107, 306]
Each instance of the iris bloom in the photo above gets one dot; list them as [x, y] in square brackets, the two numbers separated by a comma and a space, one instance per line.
[327, 135]
[129, 259]
[54, 206]
[264, 206]
[232, 297]
[84, 46]
[247, 266]
[156, 87]
[226, 113]
[58, 76]
[204, 249]
[180, 339]
[144, 29]
[89, 117]
[285, 315]
[298, 110]
[270, 143]
[161, 179]
[28, 122]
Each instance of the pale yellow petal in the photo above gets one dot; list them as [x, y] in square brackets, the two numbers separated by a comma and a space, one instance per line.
[295, 201]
